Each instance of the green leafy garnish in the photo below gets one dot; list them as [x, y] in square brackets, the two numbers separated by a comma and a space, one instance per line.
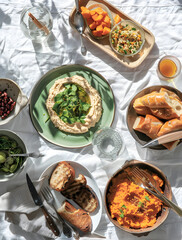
[121, 211]
[134, 29]
[47, 119]
[72, 104]
[140, 204]
[125, 51]
[122, 215]
[147, 198]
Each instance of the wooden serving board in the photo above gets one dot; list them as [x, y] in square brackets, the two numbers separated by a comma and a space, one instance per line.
[104, 45]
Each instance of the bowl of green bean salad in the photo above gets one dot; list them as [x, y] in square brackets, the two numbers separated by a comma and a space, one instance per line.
[10, 166]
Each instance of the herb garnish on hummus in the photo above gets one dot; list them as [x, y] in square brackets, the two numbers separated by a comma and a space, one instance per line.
[72, 105]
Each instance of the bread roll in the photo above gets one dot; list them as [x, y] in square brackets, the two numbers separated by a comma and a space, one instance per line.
[156, 100]
[151, 126]
[160, 104]
[170, 93]
[140, 108]
[77, 217]
[164, 113]
[62, 176]
[170, 126]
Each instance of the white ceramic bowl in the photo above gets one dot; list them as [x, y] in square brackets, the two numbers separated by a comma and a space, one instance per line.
[13, 91]
[8, 176]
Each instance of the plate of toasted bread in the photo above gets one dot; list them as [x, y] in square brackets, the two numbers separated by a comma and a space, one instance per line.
[76, 194]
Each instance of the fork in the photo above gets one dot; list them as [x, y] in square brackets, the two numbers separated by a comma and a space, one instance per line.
[67, 229]
[138, 174]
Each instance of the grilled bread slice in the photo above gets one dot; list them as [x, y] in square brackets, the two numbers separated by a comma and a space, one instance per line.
[75, 186]
[62, 176]
[82, 194]
[77, 217]
[86, 199]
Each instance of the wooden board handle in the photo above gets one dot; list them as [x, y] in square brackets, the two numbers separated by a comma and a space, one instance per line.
[50, 222]
[170, 137]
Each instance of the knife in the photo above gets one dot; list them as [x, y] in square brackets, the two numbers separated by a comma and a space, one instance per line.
[37, 200]
[164, 139]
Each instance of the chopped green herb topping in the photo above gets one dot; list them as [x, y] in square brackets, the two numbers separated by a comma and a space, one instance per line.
[147, 198]
[122, 215]
[140, 204]
[72, 104]
[121, 211]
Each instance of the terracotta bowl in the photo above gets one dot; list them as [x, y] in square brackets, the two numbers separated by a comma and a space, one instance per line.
[162, 215]
[13, 91]
[141, 138]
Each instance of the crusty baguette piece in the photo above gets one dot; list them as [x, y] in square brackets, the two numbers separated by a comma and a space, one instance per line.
[140, 108]
[138, 124]
[164, 113]
[156, 100]
[151, 126]
[75, 186]
[170, 126]
[170, 93]
[77, 217]
[159, 104]
[62, 176]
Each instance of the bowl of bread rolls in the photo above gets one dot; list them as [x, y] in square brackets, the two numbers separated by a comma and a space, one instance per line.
[153, 112]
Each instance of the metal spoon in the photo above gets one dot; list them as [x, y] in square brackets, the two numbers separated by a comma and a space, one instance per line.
[79, 25]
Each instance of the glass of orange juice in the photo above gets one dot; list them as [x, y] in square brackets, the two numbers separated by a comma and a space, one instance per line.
[169, 67]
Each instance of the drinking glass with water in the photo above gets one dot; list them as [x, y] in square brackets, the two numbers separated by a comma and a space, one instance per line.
[36, 22]
[107, 143]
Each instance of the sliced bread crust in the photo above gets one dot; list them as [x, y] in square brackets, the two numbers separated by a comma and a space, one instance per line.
[77, 217]
[62, 176]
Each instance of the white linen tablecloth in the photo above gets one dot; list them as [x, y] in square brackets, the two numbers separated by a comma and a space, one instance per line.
[25, 62]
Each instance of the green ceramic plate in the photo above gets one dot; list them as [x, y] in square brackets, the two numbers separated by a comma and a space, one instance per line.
[39, 114]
